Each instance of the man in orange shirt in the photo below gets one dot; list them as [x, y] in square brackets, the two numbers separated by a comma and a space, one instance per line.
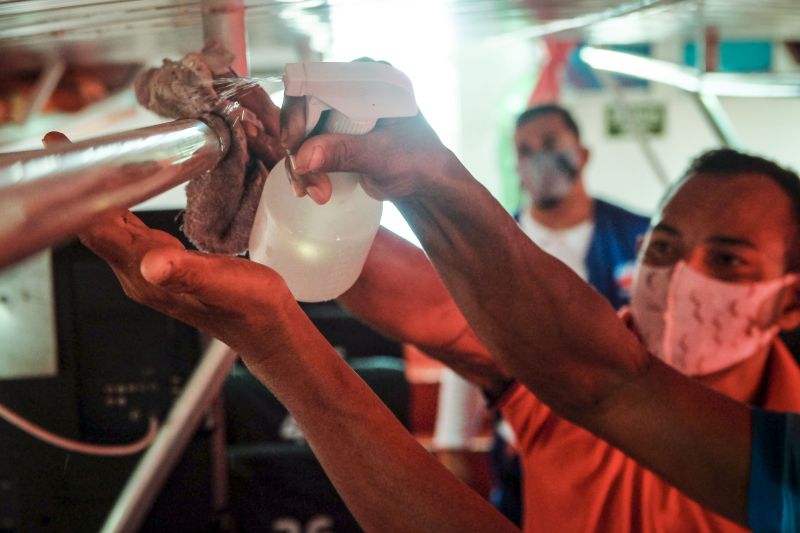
[708, 249]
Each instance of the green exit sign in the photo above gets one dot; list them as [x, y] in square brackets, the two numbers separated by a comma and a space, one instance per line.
[650, 117]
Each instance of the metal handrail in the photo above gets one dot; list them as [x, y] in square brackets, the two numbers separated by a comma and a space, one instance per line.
[48, 196]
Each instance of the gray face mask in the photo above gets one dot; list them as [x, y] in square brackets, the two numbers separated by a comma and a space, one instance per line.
[548, 176]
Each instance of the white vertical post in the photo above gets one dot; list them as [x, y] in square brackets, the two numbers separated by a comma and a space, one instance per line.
[224, 22]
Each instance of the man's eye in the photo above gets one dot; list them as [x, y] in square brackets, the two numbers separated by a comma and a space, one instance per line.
[660, 248]
[728, 260]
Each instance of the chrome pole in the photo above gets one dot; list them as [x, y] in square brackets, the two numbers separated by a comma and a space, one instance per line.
[185, 416]
[48, 196]
[224, 22]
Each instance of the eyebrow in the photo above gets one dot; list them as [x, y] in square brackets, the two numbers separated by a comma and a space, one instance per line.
[667, 229]
[732, 241]
[724, 240]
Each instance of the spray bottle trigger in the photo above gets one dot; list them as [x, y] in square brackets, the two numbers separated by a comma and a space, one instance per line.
[314, 109]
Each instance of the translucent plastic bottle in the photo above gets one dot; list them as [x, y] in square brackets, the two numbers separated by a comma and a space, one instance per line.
[319, 250]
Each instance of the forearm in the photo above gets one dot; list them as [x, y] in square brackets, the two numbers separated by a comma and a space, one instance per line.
[518, 298]
[365, 451]
[543, 324]
[564, 341]
[694, 437]
[400, 295]
[387, 480]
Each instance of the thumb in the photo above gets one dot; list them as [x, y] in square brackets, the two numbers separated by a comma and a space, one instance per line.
[336, 153]
[220, 281]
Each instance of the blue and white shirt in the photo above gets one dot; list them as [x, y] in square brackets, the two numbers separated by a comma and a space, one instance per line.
[773, 502]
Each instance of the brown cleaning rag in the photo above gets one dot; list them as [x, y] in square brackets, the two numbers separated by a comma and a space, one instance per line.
[221, 204]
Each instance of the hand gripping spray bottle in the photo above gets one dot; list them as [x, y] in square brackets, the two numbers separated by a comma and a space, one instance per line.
[319, 250]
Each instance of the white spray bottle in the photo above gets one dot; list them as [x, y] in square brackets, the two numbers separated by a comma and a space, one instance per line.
[319, 250]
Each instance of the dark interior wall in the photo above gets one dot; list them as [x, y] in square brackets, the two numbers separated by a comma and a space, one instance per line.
[118, 363]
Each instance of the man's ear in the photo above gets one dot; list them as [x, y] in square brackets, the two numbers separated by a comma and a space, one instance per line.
[585, 153]
[790, 308]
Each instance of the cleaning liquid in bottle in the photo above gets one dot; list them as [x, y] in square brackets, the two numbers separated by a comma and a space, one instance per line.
[319, 250]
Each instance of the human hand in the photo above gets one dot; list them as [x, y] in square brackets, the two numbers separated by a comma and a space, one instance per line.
[240, 302]
[261, 125]
[400, 157]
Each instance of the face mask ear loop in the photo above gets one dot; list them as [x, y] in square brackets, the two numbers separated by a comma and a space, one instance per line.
[669, 317]
[784, 284]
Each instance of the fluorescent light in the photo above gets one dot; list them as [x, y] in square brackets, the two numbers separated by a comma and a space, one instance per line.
[690, 79]
[641, 67]
[751, 85]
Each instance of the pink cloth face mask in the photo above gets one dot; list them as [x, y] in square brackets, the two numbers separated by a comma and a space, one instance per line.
[701, 325]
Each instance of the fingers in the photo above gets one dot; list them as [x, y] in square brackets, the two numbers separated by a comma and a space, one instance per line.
[293, 122]
[259, 103]
[54, 138]
[226, 283]
[121, 239]
[266, 147]
[337, 153]
[317, 185]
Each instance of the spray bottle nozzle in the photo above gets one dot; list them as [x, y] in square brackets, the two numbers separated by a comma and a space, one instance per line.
[362, 92]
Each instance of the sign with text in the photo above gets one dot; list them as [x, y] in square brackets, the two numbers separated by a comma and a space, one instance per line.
[650, 117]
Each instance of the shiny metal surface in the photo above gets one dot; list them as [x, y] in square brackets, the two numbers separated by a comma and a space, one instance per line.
[717, 118]
[761, 85]
[184, 418]
[143, 29]
[95, 31]
[46, 196]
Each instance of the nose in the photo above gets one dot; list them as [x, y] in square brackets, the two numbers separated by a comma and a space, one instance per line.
[694, 258]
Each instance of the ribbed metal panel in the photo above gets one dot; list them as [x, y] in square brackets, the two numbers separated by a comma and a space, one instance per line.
[126, 30]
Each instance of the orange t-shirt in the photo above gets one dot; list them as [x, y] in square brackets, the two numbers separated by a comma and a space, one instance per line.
[576, 482]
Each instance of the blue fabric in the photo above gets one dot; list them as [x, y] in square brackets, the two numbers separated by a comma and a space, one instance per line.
[612, 251]
[506, 491]
[773, 500]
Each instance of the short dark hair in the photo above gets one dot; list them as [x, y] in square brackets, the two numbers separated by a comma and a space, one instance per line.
[543, 110]
[729, 162]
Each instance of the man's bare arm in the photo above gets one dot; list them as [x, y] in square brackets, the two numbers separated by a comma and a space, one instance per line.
[545, 325]
[400, 294]
[365, 451]
[363, 448]
[565, 342]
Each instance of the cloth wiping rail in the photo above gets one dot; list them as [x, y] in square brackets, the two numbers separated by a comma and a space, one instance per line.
[220, 205]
